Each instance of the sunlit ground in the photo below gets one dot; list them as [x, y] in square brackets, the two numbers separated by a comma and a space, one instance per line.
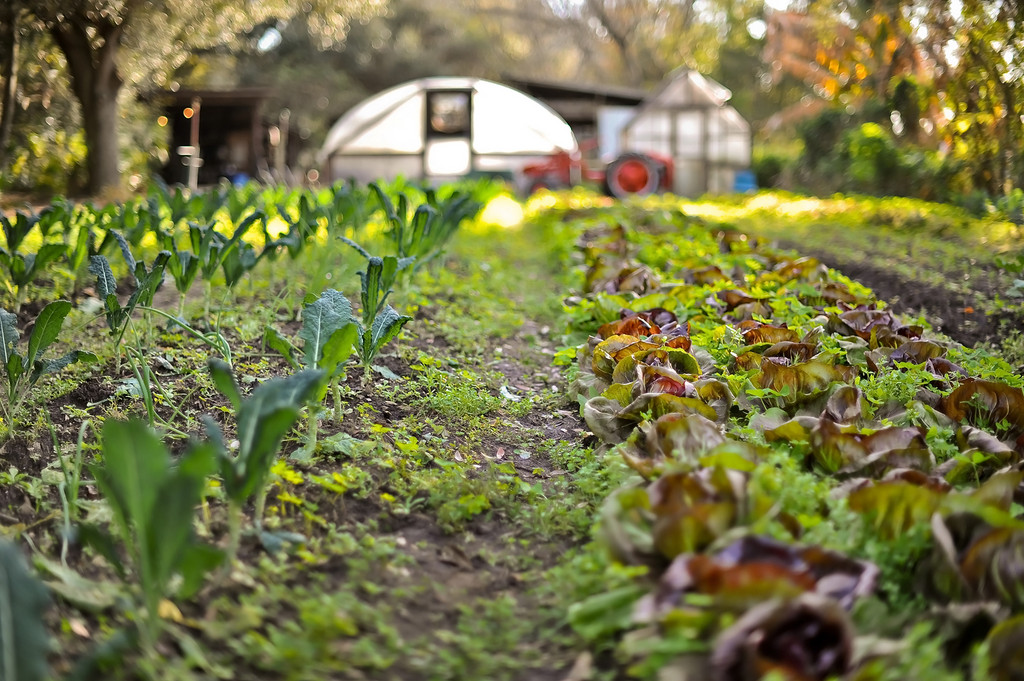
[502, 211]
[993, 230]
[780, 205]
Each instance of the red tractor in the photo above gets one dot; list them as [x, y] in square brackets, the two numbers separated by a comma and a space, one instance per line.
[631, 174]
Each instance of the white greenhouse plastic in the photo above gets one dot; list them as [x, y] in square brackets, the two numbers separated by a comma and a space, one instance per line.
[688, 119]
[443, 128]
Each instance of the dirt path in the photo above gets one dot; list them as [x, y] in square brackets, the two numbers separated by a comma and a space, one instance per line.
[431, 516]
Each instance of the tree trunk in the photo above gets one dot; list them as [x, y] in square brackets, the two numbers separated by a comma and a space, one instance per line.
[92, 66]
[100, 117]
[9, 39]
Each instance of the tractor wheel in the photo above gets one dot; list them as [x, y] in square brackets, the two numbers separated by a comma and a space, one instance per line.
[632, 174]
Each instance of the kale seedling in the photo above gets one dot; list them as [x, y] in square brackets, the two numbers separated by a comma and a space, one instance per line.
[425, 234]
[330, 334]
[380, 322]
[24, 371]
[147, 281]
[16, 230]
[22, 269]
[216, 251]
[263, 420]
[183, 266]
[23, 601]
[153, 500]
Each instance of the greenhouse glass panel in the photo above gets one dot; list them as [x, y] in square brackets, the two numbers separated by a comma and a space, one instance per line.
[690, 134]
[400, 131]
[505, 121]
[366, 114]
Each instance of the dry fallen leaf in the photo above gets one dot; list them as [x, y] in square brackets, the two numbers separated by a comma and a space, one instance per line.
[169, 611]
[582, 669]
[78, 628]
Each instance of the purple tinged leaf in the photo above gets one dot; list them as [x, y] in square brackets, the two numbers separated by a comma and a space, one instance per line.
[986, 404]
[845, 450]
[757, 568]
[733, 298]
[998, 491]
[708, 275]
[692, 510]
[807, 638]
[846, 405]
[678, 436]
[1006, 650]
[716, 394]
[895, 505]
[613, 350]
[755, 333]
[802, 381]
[634, 325]
[793, 351]
[917, 352]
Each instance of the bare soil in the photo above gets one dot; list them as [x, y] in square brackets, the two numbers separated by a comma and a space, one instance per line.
[950, 312]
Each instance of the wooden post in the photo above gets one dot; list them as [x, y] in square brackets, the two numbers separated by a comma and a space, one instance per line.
[195, 160]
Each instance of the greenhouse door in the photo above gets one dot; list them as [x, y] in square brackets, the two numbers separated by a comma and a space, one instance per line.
[448, 149]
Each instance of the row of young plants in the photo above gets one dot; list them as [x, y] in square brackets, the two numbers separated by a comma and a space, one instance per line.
[820, 489]
[225, 231]
[975, 263]
[205, 235]
[153, 495]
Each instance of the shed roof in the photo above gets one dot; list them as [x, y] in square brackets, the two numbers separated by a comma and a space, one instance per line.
[556, 89]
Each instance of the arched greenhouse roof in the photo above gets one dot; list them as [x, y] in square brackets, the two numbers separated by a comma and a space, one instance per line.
[504, 121]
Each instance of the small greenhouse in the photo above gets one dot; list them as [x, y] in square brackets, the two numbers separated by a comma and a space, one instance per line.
[440, 129]
[688, 119]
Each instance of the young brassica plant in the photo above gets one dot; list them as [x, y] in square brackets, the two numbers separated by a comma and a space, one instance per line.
[330, 335]
[380, 322]
[147, 281]
[349, 207]
[24, 371]
[153, 500]
[183, 266]
[263, 419]
[23, 269]
[425, 234]
[17, 229]
[86, 233]
[181, 204]
[23, 601]
[216, 251]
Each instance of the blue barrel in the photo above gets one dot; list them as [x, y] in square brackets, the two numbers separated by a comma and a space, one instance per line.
[744, 181]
